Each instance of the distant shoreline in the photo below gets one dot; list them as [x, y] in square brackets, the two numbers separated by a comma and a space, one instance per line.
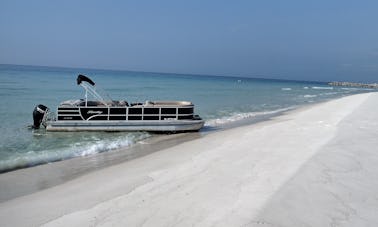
[351, 84]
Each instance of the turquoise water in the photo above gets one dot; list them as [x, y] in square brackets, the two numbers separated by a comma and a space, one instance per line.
[219, 100]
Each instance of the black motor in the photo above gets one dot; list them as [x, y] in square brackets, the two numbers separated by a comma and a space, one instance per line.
[38, 115]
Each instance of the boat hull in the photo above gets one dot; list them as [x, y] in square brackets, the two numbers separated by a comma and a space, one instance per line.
[115, 126]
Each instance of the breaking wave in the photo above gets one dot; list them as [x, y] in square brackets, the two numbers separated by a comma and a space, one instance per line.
[78, 149]
[357, 89]
[310, 96]
[322, 88]
[242, 116]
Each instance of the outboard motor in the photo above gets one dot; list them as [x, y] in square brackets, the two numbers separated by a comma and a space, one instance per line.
[38, 115]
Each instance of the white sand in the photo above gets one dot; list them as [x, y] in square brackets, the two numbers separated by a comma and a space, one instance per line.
[313, 167]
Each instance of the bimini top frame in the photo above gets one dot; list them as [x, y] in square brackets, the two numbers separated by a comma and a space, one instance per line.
[89, 88]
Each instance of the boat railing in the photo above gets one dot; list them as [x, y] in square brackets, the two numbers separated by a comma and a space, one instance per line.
[129, 113]
[157, 113]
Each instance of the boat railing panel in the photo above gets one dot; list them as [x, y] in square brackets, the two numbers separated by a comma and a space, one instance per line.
[92, 112]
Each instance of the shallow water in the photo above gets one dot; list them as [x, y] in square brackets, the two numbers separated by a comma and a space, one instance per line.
[219, 100]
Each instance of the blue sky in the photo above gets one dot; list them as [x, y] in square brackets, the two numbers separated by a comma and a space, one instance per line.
[292, 39]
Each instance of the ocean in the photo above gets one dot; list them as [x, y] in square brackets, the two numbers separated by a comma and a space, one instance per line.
[221, 101]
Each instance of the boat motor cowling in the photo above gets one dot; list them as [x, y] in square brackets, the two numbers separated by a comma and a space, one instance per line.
[38, 115]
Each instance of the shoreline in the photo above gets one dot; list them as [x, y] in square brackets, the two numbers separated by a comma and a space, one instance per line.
[225, 178]
[23, 181]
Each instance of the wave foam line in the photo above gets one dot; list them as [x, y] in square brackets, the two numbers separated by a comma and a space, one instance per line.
[241, 116]
[322, 88]
[33, 158]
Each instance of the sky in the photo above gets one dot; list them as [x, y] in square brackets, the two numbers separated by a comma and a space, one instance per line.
[323, 40]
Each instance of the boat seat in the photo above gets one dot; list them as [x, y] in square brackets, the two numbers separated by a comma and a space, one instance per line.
[92, 103]
[136, 104]
[120, 103]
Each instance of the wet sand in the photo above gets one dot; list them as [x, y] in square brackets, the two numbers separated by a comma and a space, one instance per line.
[26, 181]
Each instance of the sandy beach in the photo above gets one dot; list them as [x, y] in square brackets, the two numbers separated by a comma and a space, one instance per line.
[316, 166]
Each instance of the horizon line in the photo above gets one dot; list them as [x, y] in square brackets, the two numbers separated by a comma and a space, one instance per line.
[171, 73]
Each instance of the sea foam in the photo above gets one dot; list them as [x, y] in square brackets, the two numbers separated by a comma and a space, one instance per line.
[241, 116]
[310, 96]
[322, 88]
[79, 149]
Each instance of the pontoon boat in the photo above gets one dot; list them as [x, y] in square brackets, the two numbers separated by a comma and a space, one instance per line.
[107, 115]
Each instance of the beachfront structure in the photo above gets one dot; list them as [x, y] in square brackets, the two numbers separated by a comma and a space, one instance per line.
[351, 84]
